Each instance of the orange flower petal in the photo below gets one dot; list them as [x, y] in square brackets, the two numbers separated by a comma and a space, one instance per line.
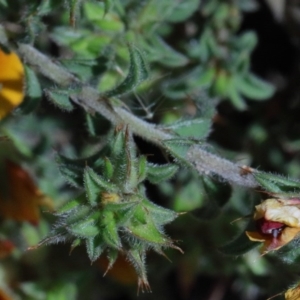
[11, 82]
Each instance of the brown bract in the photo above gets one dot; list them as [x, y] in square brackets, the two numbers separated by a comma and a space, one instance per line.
[278, 223]
[21, 199]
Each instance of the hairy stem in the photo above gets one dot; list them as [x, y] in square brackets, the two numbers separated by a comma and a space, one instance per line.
[91, 100]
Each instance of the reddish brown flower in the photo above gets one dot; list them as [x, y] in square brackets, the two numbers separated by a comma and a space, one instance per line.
[6, 248]
[278, 222]
[21, 199]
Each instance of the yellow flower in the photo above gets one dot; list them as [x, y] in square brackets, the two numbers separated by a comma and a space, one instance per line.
[278, 222]
[11, 82]
[293, 293]
[22, 198]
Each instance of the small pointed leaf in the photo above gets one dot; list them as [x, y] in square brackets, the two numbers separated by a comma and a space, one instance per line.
[160, 215]
[71, 205]
[254, 87]
[179, 149]
[59, 99]
[278, 184]
[158, 173]
[98, 181]
[86, 227]
[94, 247]
[137, 73]
[110, 230]
[33, 92]
[196, 128]
[91, 187]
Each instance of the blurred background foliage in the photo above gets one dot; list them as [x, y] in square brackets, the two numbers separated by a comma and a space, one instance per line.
[234, 64]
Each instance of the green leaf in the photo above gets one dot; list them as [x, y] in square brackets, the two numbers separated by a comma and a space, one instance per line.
[82, 212]
[137, 73]
[118, 144]
[144, 229]
[158, 173]
[91, 187]
[107, 6]
[221, 83]
[94, 11]
[73, 6]
[70, 205]
[142, 168]
[160, 215]
[198, 128]
[206, 76]
[158, 50]
[254, 87]
[278, 184]
[94, 247]
[108, 168]
[98, 181]
[112, 257]
[59, 98]
[137, 259]
[83, 68]
[182, 10]
[86, 227]
[110, 230]
[235, 97]
[73, 169]
[3, 3]
[179, 149]
[247, 40]
[33, 92]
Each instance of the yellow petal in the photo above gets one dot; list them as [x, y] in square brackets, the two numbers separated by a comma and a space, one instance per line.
[11, 82]
[278, 211]
[288, 234]
[255, 236]
[293, 293]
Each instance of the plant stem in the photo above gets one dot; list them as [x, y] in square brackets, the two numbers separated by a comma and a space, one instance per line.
[91, 100]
